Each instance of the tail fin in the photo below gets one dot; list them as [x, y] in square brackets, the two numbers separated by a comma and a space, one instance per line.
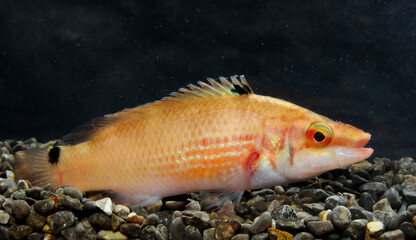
[36, 166]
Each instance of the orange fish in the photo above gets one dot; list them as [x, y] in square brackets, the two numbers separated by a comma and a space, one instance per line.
[215, 136]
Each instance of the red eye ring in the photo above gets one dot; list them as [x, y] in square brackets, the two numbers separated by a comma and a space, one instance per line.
[319, 134]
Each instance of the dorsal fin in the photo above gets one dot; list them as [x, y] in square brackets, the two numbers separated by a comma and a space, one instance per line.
[237, 86]
[86, 131]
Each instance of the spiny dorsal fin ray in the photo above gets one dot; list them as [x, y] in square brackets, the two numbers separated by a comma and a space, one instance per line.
[237, 85]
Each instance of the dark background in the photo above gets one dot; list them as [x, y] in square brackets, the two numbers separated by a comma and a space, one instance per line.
[65, 62]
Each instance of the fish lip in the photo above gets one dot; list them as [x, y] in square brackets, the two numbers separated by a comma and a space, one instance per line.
[361, 142]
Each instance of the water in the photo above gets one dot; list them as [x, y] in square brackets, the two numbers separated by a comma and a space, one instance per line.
[62, 64]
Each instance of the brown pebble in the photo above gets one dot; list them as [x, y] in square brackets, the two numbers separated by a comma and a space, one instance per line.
[226, 229]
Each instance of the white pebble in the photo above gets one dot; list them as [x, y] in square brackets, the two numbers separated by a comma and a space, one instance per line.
[106, 205]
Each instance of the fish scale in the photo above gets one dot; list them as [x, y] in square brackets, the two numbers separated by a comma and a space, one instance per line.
[216, 136]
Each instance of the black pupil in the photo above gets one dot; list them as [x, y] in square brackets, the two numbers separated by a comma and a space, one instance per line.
[319, 137]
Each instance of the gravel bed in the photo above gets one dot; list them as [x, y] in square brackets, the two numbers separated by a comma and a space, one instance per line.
[362, 201]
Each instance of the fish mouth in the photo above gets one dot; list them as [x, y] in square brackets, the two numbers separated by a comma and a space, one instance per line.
[358, 151]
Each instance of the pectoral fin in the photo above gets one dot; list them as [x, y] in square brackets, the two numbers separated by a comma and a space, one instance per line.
[222, 201]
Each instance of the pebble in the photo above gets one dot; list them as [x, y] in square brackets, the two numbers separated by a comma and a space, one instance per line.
[279, 190]
[193, 205]
[4, 217]
[408, 229]
[242, 209]
[356, 229]
[116, 221]
[60, 220]
[100, 220]
[44, 207]
[69, 233]
[208, 234]
[134, 218]
[313, 208]
[174, 205]
[162, 232]
[241, 236]
[148, 233]
[110, 235]
[155, 206]
[20, 209]
[89, 206]
[395, 234]
[340, 217]
[105, 205]
[84, 230]
[335, 200]
[192, 232]
[315, 194]
[121, 211]
[303, 236]
[38, 236]
[276, 234]
[20, 231]
[131, 229]
[404, 216]
[69, 202]
[374, 230]
[261, 223]
[35, 220]
[320, 227]
[177, 229]
[393, 196]
[409, 192]
[226, 229]
[73, 192]
[4, 232]
[260, 236]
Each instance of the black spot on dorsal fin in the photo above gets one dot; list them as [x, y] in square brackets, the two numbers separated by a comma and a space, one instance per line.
[54, 155]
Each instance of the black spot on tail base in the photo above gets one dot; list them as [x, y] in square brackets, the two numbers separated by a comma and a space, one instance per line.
[54, 155]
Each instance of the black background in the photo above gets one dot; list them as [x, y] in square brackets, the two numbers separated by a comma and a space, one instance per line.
[65, 62]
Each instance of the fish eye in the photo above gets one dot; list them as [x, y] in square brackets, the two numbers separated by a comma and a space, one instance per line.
[319, 134]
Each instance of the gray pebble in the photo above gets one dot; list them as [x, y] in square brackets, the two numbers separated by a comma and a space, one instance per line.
[303, 236]
[263, 192]
[89, 206]
[20, 231]
[35, 236]
[162, 232]
[44, 207]
[360, 213]
[404, 216]
[335, 200]
[84, 230]
[4, 232]
[100, 220]
[116, 221]
[7, 205]
[292, 191]
[130, 229]
[174, 205]
[35, 220]
[285, 212]
[257, 203]
[199, 214]
[395, 234]
[408, 229]
[261, 223]
[242, 209]
[155, 207]
[19, 195]
[383, 205]
[313, 208]
[20, 209]
[320, 227]
[177, 229]
[366, 201]
[340, 217]
[386, 217]
[260, 236]
[241, 236]
[47, 194]
[279, 190]
[192, 232]
[60, 220]
[393, 196]
[33, 192]
[121, 211]
[377, 187]
[356, 229]
[69, 202]
[208, 234]
[148, 233]
[73, 192]
[315, 194]
[4, 217]
[197, 222]
[409, 192]
[152, 219]
[69, 233]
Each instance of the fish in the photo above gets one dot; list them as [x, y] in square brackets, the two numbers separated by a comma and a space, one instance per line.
[216, 137]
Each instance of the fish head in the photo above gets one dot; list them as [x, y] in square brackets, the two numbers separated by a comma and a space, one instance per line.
[319, 144]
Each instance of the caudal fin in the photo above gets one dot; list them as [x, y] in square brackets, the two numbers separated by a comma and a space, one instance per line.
[36, 166]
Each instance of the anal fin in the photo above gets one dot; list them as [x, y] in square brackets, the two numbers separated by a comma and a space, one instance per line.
[221, 201]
